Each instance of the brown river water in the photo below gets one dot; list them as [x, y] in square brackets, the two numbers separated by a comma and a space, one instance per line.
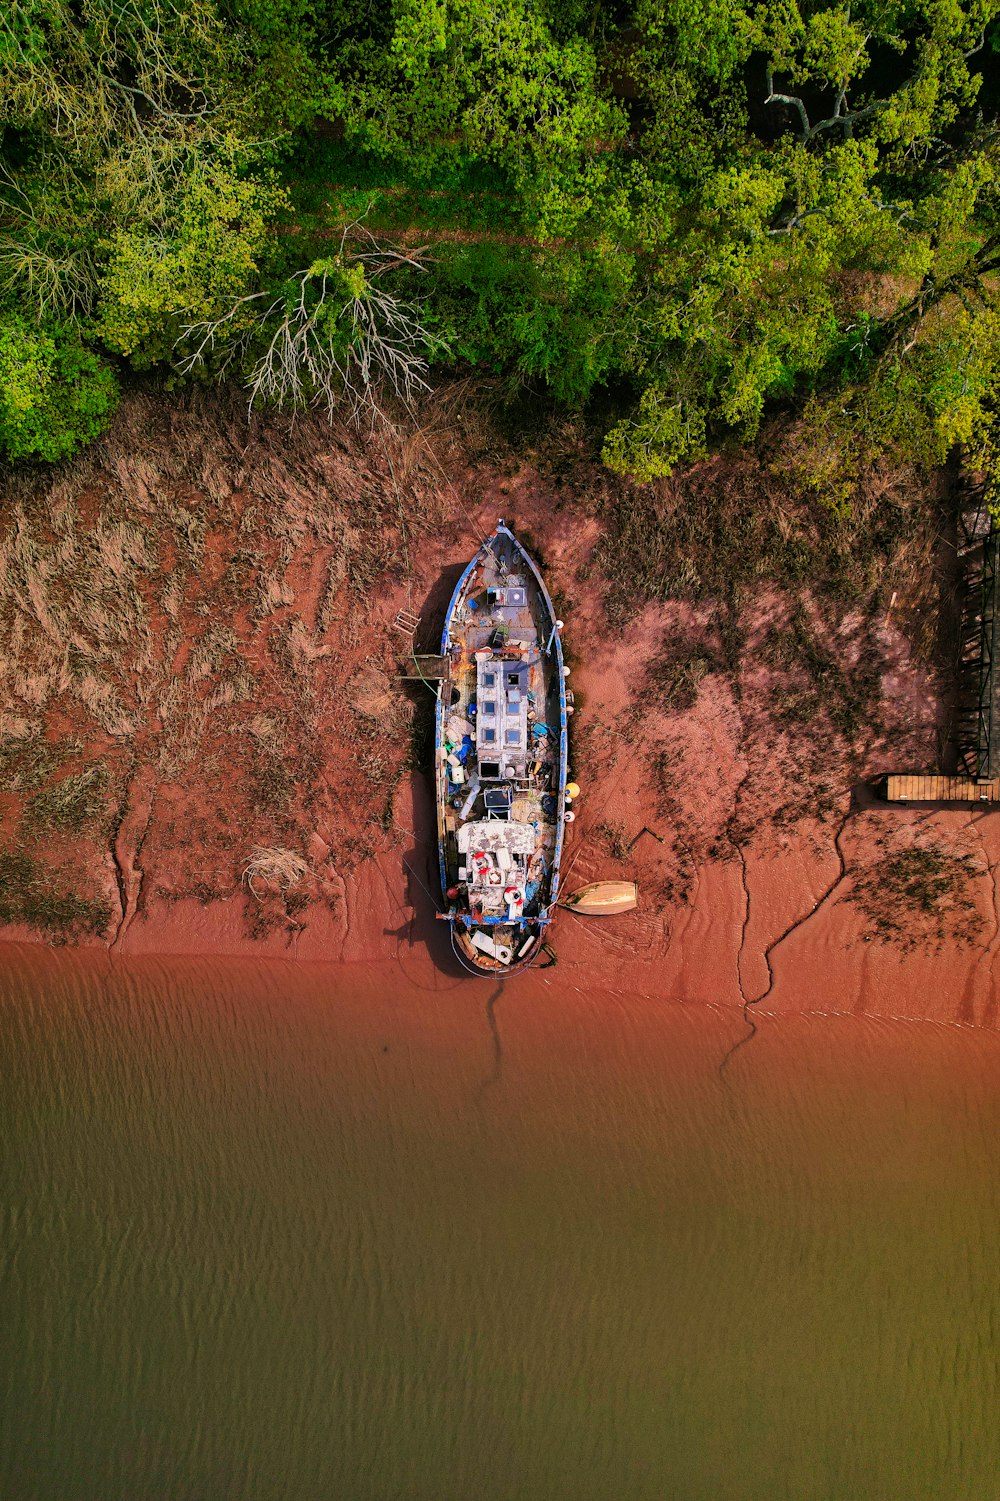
[277, 1231]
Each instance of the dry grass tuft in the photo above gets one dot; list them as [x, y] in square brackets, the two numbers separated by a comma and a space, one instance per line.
[677, 676]
[276, 867]
[370, 693]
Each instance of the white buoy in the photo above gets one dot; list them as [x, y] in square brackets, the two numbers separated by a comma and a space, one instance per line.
[565, 672]
[559, 625]
[569, 815]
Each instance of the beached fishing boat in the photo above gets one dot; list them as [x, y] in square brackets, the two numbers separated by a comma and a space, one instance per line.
[500, 757]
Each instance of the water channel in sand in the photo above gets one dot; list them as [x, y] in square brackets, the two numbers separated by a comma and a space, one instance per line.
[278, 1231]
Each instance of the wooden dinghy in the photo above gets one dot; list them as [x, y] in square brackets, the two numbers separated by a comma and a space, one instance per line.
[500, 759]
[603, 898]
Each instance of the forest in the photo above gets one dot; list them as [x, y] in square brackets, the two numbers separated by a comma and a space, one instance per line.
[672, 217]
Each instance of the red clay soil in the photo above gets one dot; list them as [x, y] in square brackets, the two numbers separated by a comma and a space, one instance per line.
[746, 827]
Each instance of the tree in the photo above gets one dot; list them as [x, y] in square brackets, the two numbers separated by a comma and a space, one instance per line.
[722, 207]
[749, 287]
[488, 79]
[136, 191]
[203, 250]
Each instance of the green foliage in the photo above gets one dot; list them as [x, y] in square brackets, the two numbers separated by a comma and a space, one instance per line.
[714, 208]
[55, 395]
[491, 80]
[549, 316]
[190, 266]
[661, 433]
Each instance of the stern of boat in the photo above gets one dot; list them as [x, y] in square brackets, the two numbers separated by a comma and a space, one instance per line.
[496, 951]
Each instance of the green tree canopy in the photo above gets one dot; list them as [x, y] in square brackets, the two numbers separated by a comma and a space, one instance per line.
[711, 207]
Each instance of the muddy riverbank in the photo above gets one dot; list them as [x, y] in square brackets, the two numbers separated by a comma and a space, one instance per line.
[203, 671]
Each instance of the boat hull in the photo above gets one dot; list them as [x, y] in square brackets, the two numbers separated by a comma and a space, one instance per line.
[604, 898]
[500, 760]
[479, 964]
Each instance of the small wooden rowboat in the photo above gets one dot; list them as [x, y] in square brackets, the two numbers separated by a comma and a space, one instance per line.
[500, 746]
[604, 898]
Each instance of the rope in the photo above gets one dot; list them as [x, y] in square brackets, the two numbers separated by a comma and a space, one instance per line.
[419, 882]
[480, 538]
[402, 522]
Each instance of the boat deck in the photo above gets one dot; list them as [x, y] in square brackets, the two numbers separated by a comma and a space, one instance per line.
[488, 807]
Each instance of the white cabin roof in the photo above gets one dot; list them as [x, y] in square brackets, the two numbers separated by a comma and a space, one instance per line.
[494, 834]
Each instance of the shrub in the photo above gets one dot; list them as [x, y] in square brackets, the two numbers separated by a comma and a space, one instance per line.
[918, 895]
[55, 395]
[31, 895]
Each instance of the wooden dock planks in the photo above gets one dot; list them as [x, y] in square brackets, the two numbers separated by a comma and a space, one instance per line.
[426, 669]
[935, 788]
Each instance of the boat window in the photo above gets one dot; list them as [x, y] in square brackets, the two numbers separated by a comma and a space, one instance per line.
[489, 705]
[513, 737]
[489, 678]
[489, 734]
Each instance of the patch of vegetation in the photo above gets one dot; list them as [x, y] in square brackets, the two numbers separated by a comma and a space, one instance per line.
[71, 803]
[274, 782]
[848, 698]
[717, 534]
[692, 215]
[678, 674]
[26, 762]
[34, 895]
[614, 837]
[55, 395]
[917, 896]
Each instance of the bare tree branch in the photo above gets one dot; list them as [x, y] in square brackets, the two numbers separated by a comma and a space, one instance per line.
[790, 99]
[322, 351]
[846, 118]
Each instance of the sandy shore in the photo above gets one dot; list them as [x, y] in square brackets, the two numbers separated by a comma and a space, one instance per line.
[776, 937]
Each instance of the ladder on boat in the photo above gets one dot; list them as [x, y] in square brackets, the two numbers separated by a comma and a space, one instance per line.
[406, 622]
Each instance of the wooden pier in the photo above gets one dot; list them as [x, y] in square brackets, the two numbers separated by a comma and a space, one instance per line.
[976, 730]
[932, 787]
[424, 668]
[978, 719]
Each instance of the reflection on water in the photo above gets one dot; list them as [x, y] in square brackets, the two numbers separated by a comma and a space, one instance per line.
[273, 1233]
